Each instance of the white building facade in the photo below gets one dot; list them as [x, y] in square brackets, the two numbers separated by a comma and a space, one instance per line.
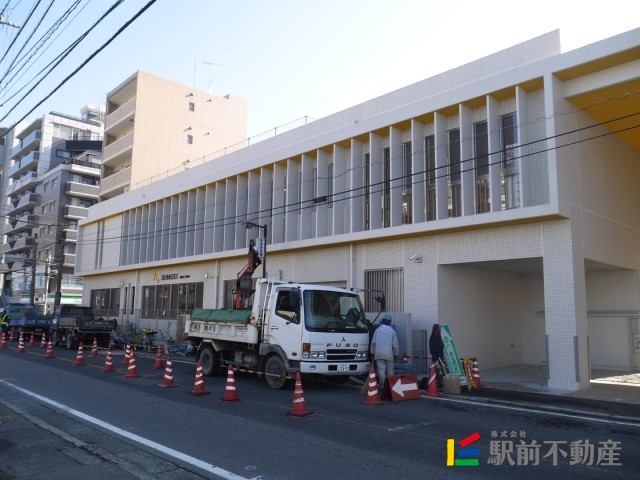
[501, 198]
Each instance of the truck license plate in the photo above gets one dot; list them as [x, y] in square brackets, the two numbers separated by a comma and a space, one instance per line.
[343, 368]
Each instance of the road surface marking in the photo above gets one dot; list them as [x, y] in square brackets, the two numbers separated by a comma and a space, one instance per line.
[132, 436]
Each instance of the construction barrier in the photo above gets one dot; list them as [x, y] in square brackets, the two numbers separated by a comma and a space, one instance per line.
[230, 394]
[198, 384]
[94, 349]
[108, 362]
[299, 409]
[373, 397]
[21, 344]
[168, 375]
[131, 368]
[79, 357]
[158, 363]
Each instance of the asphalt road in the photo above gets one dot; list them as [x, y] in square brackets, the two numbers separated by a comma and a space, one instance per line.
[167, 433]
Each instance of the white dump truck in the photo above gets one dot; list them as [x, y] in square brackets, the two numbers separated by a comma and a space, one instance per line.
[291, 327]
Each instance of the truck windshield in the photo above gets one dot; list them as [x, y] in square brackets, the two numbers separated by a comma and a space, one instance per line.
[329, 311]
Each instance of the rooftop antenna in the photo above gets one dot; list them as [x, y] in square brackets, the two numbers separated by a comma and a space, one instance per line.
[210, 81]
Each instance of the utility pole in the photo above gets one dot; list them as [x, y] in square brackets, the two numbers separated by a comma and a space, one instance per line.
[61, 241]
[34, 251]
[46, 282]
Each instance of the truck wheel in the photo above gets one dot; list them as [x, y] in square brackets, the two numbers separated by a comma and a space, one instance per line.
[71, 341]
[210, 361]
[275, 372]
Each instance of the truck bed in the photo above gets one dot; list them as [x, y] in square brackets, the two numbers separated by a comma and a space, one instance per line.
[224, 325]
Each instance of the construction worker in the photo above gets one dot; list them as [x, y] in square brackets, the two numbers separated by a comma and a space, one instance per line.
[4, 321]
[385, 348]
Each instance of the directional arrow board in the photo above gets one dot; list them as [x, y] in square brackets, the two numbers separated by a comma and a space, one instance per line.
[403, 387]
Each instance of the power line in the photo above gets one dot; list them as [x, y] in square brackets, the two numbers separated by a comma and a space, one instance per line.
[20, 31]
[86, 61]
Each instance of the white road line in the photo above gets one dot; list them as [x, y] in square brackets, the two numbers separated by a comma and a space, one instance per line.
[538, 411]
[131, 436]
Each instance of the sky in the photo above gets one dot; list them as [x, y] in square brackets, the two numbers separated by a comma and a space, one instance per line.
[289, 59]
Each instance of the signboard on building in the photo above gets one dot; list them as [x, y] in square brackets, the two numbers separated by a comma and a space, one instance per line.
[454, 366]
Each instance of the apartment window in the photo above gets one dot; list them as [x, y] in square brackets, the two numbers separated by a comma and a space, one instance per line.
[192, 107]
[54, 183]
[330, 188]
[63, 154]
[367, 190]
[43, 209]
[508, 139]
[510, 194]
[481, 153]
[190, 139]
[430, 176]
[407, 183]
[455, 200]
[45, 186]
[386, 192]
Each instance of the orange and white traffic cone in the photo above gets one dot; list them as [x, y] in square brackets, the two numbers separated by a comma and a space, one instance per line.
[43, 342]
[299, 405]
[127, 353]
[198, 384]
[230, 389]
[21, 344]
[108, 362]
[32, 340]
[79, 357]
[3, 341]
[131, 368]
[167, 382]
[49, 353]
[11, 337]
[94, 349]
[373, 396]
[475, 371]
[158, 363]
[432, 390]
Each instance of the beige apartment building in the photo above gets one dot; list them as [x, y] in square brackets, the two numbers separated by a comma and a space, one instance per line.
[156, 127]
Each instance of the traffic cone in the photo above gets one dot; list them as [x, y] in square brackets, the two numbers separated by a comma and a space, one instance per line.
[3, 341]
[167, 382]
[432, 390]
[299, 406]
[94, 349]
[198, 385]
[11, 337]
[108, 362]
[158, 363]
[127, 353]
[475, 372]
[43, 342]
[79, 357]
[49, 353]
[131, 368]
[32, 340]
[373, 397]
[230, 389]
[21, 344]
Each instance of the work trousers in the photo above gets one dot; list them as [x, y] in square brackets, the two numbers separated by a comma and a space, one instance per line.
[384, 368]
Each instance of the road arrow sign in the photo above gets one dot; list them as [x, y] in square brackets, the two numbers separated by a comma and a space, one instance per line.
[402, 387]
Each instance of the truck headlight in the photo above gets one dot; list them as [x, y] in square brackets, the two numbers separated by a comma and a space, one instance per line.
[361, 355]
[314, 354]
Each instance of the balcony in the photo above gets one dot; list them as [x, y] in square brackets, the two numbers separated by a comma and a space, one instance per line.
[116, 152]
[23, 223]
[24, 183]
[22, 244]
[83, 190]
[31, 142]
[69, 259]
[24, 203]
[116, 122]
[72, 236]
[115, 184]
[75, 212]
[26, 163]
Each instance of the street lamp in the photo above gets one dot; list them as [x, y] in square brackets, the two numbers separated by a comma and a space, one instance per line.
[262, 246]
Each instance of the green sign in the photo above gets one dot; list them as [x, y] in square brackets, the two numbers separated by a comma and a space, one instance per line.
[454, 366]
